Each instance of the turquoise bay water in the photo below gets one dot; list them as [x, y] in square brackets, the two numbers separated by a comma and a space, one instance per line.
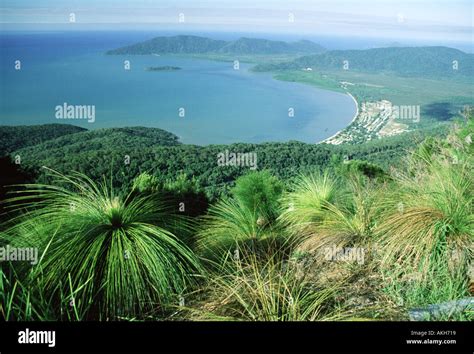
[222, 105]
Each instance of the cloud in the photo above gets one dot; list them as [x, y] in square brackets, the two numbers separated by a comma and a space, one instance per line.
[356, 17]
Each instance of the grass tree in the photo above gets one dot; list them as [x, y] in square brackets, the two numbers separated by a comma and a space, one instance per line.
[103, 255]
[246, 221]
[323, 212]
[427, 229]
[230, 229]
[259, 192]
[431, 218]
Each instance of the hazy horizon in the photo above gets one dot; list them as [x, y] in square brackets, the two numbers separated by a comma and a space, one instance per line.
[443, 21]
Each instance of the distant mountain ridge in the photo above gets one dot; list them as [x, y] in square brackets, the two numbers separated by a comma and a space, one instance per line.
[265, 46]
[404, 61]
[434, 61]
[187, 44]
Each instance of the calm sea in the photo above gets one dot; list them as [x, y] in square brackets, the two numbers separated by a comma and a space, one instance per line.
[221, 105]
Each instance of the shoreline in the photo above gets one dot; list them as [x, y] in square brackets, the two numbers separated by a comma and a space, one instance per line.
[331, 90]
[356, 115]
[352, 121]
[247, 70]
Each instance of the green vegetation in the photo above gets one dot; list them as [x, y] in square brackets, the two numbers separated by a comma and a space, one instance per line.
[17, 137]
[259, 192]
[440, 98]
[71, 139]
[316, 79]
[177, 44]
[427, 228]
[437, 79]
[200, 45]
[182, 193]
[270, 290]
[125, 153]
[325, 212]
[402, 61]
[101, 255]
[230, 227]
[131, 224]
[428, 77]
[345, 240]
[268, 47]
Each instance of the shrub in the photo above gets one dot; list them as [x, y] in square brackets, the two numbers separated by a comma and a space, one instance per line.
[182, 194]
[272, 290]
[230, 227]
[427, 229]
[146, 183]
[112, 256]
[432, 216]
[186, 196]
[305, 205]
[259, 192]
[355, 168]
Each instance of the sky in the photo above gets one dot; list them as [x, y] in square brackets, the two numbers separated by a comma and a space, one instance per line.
[399, 19]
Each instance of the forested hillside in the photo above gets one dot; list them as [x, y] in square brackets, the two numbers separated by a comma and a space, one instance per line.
[72, 139]
[177, 44]
[185, 44]
[265, 46]
[17, 137]
[402, 61]
[124, 153]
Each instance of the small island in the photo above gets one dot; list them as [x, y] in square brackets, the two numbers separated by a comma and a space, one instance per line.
[163, 68]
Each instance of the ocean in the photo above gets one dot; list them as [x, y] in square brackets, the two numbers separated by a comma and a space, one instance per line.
[206, 102]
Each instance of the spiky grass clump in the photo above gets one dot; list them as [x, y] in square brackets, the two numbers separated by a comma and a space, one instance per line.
[427, 229]
[273, 290]
[305, 206]
[432, 218]
[442, 284]
[21, 298]
[231, 226]
[325, 213]
[112, 256]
